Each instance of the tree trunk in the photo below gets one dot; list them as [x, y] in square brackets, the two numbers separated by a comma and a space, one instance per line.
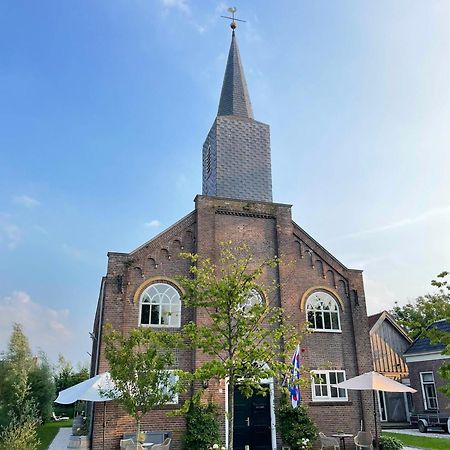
[230, 414]
[138, 432]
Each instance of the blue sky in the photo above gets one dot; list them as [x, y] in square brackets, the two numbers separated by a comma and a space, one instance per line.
[105, 105]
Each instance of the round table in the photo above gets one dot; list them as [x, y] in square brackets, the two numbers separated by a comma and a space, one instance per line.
[342, 437]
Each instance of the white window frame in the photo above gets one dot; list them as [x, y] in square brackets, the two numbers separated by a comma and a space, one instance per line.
[174, 400]
[424, 395]
[141, 303]
[327, 398]
[312, 327]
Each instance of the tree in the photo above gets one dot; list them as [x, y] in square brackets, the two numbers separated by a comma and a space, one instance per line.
[17, 407]
[246, 338]
[42, 386]
[141, 367]
[416, 316]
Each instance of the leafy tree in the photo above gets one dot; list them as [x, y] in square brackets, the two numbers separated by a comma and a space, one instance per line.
[416, 316]
[66, 376]
[140, 365]
[17, 406]
[246, 340]
[42, 387]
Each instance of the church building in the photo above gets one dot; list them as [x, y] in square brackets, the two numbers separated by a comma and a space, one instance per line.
[236, 204]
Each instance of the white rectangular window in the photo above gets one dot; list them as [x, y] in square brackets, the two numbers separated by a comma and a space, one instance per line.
[323, 385]
[173, 378]
[428, 390]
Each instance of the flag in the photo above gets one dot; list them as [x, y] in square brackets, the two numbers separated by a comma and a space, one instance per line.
[294, 388]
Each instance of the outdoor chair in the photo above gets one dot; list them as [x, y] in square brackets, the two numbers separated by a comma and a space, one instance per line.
[164, 446]
[364, 439]
[58, 418]
[128, 444]
[327, 442]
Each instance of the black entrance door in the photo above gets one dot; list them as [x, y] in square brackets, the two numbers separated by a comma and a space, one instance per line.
[252, 422]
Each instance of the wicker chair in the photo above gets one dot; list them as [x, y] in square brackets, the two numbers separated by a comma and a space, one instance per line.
[164, 446]
[128, 444]
[327, 442]
[364, 439]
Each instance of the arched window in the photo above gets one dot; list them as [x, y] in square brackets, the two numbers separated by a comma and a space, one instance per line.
[322, 312]
[254, 298]
[160, 306]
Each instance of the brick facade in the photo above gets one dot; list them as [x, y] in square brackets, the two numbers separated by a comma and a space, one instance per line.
[268, 230]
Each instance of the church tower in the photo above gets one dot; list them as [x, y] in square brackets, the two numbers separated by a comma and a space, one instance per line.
[236, 153]
[141, 289]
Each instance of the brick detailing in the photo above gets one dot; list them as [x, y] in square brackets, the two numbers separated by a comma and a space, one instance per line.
[236, 160]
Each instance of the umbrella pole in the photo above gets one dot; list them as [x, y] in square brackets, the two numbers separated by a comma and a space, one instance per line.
[375, 417]
[104, 425]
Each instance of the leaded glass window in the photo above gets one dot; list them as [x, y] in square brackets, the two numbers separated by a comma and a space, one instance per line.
[322, 312]
[160, 306]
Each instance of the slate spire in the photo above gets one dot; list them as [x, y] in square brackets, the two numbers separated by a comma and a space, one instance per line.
[234, 98]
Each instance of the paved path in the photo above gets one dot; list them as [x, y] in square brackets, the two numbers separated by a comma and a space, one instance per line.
[413, 432]
[61, 439]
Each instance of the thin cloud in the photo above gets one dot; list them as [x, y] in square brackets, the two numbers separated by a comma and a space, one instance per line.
[46, 328]
[427, 215]
[10, 233]
[152, 224]
[73, 252]
[25, 200]
[180, 5]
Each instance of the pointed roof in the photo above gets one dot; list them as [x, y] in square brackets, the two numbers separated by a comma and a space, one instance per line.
[234, 98]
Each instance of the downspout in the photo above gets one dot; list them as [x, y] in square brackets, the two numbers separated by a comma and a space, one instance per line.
[97, 353]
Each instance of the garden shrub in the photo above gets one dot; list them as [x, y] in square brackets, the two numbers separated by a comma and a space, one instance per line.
[202, 426]
[296, 427]
[390, 443]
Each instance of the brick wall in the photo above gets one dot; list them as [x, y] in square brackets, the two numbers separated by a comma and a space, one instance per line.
[268, 230]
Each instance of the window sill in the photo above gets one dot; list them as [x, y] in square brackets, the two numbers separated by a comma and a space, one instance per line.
[330, 403]
[313, 330]
[146, 325]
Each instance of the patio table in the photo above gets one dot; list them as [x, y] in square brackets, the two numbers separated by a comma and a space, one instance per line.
[342, 437]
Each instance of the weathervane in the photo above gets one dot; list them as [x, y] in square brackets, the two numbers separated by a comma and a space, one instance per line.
[233, 19]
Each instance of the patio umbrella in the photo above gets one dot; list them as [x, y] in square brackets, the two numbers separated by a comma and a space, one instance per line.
[91, 391]
[373, 381]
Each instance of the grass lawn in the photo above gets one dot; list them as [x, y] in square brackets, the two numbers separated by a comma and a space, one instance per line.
[48, 431]
[421, 441]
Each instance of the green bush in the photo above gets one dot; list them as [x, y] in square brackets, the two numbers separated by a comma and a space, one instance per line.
[296, 427]
[390, 443]
[202, 426]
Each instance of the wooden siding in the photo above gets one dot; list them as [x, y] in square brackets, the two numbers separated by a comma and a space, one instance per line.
[388, 346]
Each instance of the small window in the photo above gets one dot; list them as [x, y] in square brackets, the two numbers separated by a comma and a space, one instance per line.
[322, 312]
[160, 306]
[208, 159]
[324, 385]
[429, 390]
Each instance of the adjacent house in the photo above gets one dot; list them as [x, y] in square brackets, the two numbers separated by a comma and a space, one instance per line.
[424, 359]
[388, 342]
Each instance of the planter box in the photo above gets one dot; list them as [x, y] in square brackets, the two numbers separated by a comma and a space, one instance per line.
[79, 442]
